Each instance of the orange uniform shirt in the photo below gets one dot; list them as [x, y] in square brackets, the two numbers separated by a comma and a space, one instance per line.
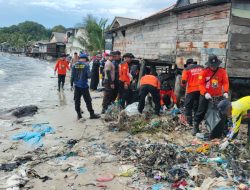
[169, 93]
[216, 85]
[150, 80]
[124, 74]
[190, 78]
[61, 67]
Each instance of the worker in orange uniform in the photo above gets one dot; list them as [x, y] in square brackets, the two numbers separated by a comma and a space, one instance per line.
[213, 83]
[61, 67]
[149, 84]
[125, 79]
[167, 94]
[190, 78]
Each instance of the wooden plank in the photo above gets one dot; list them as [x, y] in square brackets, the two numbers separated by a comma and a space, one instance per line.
[190, 31]
[217, 15]
[215, 51]
[217, 23]
[240, 56]
[201, 11]
[238, 72]
[215, 30]
[189, 38]
[234, 29]
[237, 46]
[238, 64]
[240, 38]
[215, 38]
[240, 21]
[214, 44]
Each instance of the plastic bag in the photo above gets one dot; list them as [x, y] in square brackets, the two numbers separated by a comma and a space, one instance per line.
[132, 109]
[212, 117]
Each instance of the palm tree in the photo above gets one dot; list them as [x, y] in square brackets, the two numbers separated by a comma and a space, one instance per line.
[95, 33]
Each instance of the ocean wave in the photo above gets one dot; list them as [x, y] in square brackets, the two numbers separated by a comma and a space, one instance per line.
[2, 72]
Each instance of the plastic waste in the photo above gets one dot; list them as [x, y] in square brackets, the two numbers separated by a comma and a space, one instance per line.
[132, 109]
[218, 160]
[106, 178]
[129, 173]
[157, 186]
[81, 170]
[175, 112]
[34, 137]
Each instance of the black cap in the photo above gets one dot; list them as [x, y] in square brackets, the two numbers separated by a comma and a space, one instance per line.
[213, 61]
[112, 53]
[223, 106]
[188, 62]
[63, 55]
[129, 55]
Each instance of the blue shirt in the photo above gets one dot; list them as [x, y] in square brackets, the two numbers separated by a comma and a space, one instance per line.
[80, 75]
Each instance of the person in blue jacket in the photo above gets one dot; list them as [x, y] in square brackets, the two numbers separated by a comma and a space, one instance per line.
[79, 77]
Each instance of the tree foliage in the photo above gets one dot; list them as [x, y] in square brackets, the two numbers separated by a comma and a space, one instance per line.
[59, 28]
[24, 33]
[95, 33]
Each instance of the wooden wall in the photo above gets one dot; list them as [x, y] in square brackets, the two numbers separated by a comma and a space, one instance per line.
[238, 62]
[155, 39]
[202, 31]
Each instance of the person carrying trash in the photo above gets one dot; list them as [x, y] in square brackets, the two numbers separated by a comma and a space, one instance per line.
[109, 83]
[61, 68]
[190, 78]
[150, 84]
[236, 111]
[79, 77]
[213, 82]
[125, 79]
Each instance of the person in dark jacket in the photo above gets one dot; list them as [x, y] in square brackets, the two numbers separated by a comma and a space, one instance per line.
[79, 77]
[95, 72]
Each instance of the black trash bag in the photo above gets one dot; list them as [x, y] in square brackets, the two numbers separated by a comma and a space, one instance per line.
[214, 121]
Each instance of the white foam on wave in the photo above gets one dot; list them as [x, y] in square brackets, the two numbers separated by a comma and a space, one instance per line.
[2, 72]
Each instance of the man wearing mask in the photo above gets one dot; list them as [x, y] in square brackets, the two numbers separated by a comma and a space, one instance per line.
[79, 77]
[124, 80]
[61, 68]
[213, 83]
[190, 76]
[109, 83]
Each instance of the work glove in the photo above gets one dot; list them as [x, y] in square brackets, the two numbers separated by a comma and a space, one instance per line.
[208, 96]
[224, 145]
[225, 95]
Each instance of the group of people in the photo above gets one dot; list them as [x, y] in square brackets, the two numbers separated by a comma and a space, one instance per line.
[121, 82]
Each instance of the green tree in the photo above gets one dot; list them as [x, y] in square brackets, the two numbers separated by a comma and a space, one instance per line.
[59, 28]
[95, 33]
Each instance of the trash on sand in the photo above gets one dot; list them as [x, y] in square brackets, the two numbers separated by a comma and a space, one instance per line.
[107, 178]
[180, 184]
[128, 173]
[81, 170]
[17, 161]
[72, 142]
[203, 149]
[132, 109]
[218, 160]
[212, 183]
[34, 137]
[157, 186]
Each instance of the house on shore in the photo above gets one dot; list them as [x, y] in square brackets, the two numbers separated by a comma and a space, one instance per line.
[191, 29]
[56, 45]
[73, 38]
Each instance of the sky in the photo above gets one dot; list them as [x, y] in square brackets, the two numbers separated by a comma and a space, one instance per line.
[70, 12]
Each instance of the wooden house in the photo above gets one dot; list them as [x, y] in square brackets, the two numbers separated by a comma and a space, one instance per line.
[56, 46]
[192, 29]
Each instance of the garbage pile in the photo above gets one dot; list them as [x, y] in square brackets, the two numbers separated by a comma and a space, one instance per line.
[131, 121]
[198, 164]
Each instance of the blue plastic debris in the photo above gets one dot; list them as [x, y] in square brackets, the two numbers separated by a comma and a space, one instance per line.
[175, 111]
[157, 186]
[218, 160]
[81, 170]
[34, 137]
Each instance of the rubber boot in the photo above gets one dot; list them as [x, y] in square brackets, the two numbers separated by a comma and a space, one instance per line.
[196, 129]
[79, 116]
[94, 116]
